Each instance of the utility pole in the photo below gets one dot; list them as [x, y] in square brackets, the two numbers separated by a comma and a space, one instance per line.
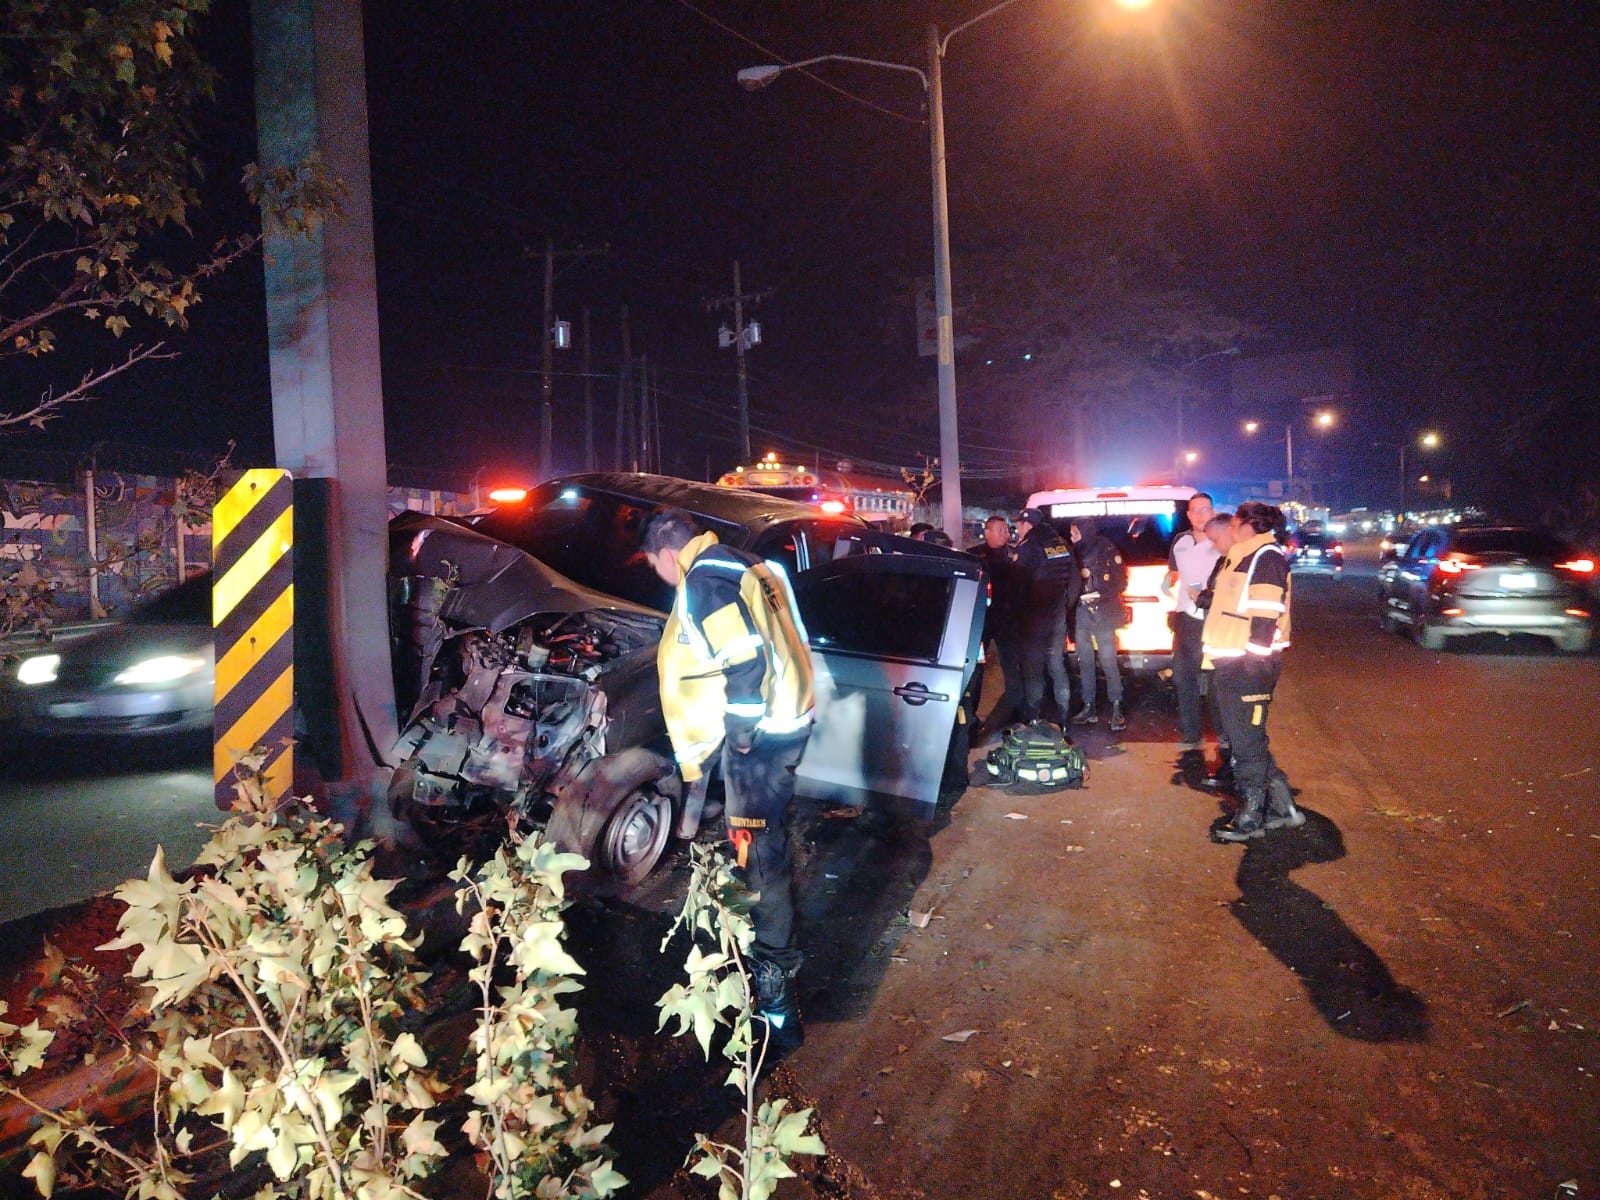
[642, 463]
[588, 396]
[547, 381]
[741, 337]
[624, 368]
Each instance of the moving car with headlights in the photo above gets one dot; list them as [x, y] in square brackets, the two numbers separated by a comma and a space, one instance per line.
[525, 661]
[1314, 551]
[148, 675]
[1507, 579]
[1141, 521]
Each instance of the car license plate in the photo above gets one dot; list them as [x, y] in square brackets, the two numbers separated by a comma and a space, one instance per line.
[1521, 581]
[1313, 553]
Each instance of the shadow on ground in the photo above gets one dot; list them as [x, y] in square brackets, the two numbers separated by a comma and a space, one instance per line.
[1347, 981]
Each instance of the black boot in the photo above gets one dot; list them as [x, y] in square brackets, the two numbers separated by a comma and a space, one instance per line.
[1281, 811]
[1086, 716]
[1248, 822]
[1222, 780]
[777, 1006]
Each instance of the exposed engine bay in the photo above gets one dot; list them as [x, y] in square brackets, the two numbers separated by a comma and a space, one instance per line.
[511, 715]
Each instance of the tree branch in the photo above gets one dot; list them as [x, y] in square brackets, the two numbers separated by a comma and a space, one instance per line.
[49, 404]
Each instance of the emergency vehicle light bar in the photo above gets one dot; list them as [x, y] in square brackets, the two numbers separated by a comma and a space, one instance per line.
[1111, 508]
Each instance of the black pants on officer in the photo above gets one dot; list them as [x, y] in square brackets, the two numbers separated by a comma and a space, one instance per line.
[1009, 649]
[1095, 632]
[1187, 677]
[1043, 649]
[1243, 694]
[760, 786]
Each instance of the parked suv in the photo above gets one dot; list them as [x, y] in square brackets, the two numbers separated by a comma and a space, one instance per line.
[525, 651]
[1504, 579]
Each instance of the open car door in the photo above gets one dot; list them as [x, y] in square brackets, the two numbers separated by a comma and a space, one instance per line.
[894, 638]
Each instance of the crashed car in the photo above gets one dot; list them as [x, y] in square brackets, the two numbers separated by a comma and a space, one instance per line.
[525, 662]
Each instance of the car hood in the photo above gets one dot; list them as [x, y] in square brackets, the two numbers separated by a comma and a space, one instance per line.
[494, 585]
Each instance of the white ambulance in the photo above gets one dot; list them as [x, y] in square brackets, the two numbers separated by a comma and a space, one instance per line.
[1141, 521]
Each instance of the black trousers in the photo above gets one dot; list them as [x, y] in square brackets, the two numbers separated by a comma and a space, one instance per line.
[1095, 631]
[1187, 678]
[760, 786]
[1243, 698]
[1008, 644]
[1043, 655]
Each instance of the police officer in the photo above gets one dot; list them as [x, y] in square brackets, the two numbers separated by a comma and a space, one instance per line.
[736, 676]
[1047, 581]
[1246, 629]
[999, 619]
[1099, 617]
[1188, 570]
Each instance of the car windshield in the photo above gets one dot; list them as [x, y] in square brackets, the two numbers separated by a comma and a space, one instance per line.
[1313, 539]
[1145, 539]
[592, 538]
[187, 604]
[1533, 544]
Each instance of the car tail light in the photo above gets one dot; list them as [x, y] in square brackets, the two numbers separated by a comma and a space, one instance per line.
[509, 495]
[1338, 548]
[833, 507]
[1577, 612]
[1453, 612]
[1455, 566]
[1579, 566]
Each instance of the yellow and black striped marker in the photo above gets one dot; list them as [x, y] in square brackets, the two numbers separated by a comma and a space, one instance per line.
[252, 610]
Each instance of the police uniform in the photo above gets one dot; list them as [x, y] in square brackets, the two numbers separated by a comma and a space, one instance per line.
[1046, 586]
[736, 673]
[1098, 618]
[1246, 631]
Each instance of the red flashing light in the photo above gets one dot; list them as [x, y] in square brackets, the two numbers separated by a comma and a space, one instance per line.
[1580, 566]
[509, 495]
[833, 507]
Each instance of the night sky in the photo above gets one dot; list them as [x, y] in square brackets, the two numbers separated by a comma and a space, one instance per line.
[1410, 186]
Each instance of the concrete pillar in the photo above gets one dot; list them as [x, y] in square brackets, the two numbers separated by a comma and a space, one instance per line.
[327, 403]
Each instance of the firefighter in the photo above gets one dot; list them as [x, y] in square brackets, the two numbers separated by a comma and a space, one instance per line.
[736, 676]
[1047, 584]
[1245, 632]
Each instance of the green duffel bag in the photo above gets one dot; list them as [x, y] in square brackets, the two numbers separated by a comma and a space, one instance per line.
[1038, 754]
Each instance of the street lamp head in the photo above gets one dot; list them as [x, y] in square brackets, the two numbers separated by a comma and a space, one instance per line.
[1191, 457]
[753, 79]
[1134, 5]
[1252, 426]
[1430, 440]
[1325, 420]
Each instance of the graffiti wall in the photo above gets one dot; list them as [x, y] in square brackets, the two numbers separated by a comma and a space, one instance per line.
[96, 550]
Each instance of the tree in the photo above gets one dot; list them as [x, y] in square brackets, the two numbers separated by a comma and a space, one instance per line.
[1091, 325]
[99, 179]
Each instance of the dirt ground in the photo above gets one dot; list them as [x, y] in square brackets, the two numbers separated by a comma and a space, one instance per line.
[1398, 1000]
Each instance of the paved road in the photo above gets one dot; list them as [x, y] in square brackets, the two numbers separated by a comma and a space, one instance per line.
[75, 823]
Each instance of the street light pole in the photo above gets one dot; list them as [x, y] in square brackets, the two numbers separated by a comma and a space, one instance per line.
[944, 313]
[1288, 446]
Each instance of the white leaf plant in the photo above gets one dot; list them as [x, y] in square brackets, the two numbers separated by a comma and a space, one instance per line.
[716, 995]
[283, 993]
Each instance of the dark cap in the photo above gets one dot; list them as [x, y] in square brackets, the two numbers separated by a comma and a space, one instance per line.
[1033, 516]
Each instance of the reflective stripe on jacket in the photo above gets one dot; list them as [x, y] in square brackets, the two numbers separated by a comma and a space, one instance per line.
[1249, 611]
[733, 646]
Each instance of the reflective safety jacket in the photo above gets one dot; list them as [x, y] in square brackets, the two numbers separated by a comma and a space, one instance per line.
[1249, 611]
[733, 650]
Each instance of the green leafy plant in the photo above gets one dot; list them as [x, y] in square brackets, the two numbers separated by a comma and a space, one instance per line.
[530, 1119]
[100, 179]
[717, 995]
[281, 991]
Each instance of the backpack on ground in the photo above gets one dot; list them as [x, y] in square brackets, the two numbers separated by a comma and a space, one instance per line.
[1038, 754]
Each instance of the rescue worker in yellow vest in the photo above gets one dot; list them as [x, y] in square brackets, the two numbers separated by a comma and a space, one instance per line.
[1243, 639]
[736, 676]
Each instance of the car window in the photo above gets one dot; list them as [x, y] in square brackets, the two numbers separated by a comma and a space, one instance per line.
[1534, 544]
[592, 538]
[1144, 539]
[878, 613]
[1421, 546]
[187, 604]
